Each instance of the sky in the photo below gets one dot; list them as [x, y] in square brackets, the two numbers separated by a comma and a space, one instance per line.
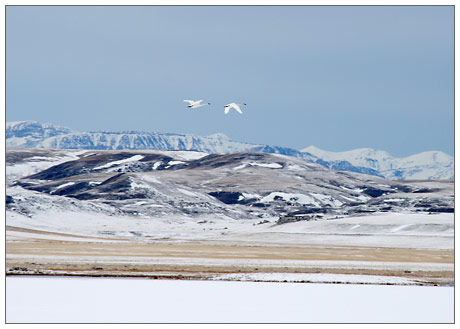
[337, 77]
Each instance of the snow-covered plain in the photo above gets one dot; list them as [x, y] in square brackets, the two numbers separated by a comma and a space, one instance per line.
[102, 300]
[392, 230]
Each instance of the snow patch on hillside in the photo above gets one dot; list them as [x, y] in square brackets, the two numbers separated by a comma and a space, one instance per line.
[115, 163]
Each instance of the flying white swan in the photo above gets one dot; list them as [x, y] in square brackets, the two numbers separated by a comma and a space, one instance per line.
[195, 104]
[235, 106]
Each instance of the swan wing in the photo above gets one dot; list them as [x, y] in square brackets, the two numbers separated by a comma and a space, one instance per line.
[236, 107]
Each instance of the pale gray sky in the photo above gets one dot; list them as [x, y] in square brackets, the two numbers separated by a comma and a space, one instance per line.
[337, 77]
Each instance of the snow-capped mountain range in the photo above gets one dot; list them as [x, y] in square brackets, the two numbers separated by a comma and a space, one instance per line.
[427, 165]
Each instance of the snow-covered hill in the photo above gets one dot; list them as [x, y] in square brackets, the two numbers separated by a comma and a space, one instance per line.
[431, 165]
[197, 184]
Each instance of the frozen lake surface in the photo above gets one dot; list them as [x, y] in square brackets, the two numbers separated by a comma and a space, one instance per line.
[110, 300]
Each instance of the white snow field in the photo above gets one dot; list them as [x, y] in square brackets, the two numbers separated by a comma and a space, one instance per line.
[421, 231]
[103, 300]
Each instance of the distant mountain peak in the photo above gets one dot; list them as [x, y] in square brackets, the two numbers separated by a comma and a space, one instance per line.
[219, 136]
[312, 149]
[33, 130]
[364, 151]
